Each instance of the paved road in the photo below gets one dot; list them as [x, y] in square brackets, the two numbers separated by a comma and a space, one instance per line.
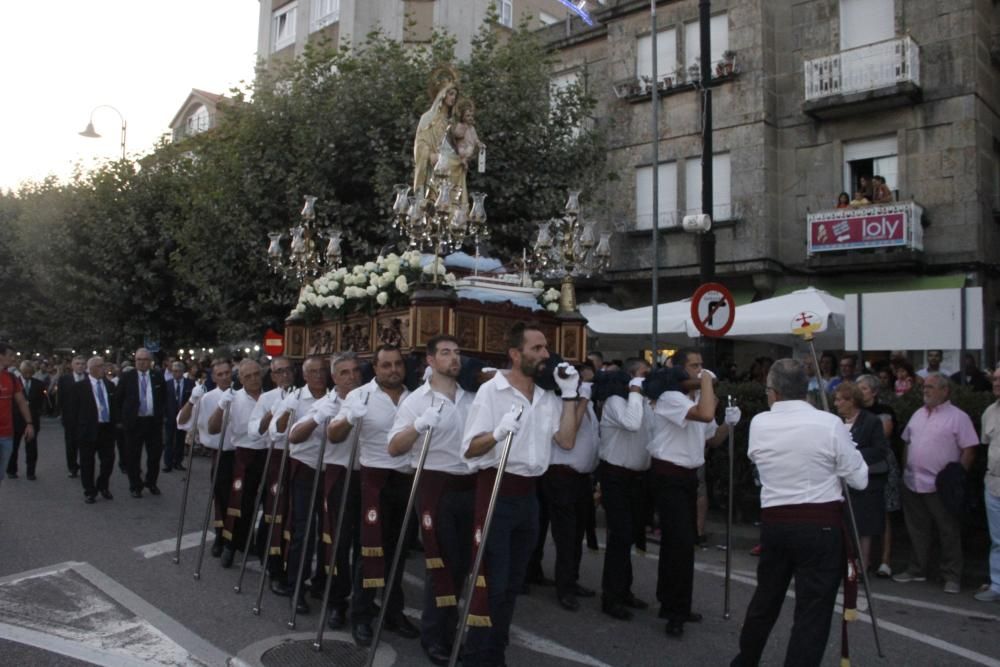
[77, 588]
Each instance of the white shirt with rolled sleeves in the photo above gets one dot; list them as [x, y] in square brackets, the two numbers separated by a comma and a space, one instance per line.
[626, 430]
[531, 447]
[444, 454]
[338, 454]
[583, 457]
[204, 409]
[802, 453]
[301, 452]
[676, 438]
[375, 426]
[240, 410]
[267, 401]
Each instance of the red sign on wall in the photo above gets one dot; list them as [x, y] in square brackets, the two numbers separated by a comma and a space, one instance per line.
[867, 227]
[274, 343]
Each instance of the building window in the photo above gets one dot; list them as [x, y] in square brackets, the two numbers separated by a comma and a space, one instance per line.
[722, 208]
[865, 22]
[283, 26]
[324, 12]
[505, 12]
[667, 196]
[718, 27]
[868, 158]
[197, 122]
[666, 56]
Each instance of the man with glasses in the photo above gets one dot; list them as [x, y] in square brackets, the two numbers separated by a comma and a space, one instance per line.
[139, 407]
[937, 434]
[991, 438]
[847, 372]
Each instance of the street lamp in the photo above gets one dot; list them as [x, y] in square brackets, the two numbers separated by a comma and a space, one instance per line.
[91, 133]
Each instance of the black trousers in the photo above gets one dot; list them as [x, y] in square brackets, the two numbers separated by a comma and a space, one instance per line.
[103, 448]
[452, 528]
[814, 556]
[300, 489]
[248, 467]
[223, 484]
[535, 572]
[676, 500]
[392, 505]
[567, 494]
[30, 452]
[72, 447]
[173, 444]
[349, 545]
[144, 435]
[622, 498]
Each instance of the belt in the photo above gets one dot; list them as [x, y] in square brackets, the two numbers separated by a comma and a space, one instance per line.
[668, 469]
[621, 471]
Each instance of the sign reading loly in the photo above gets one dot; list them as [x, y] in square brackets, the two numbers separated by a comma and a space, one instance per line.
[866, 227]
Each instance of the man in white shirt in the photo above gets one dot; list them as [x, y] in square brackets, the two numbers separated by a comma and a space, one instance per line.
[209, 437]
[385, 488]
[260, 423]
[991, 438]
[514, 530]
[934, 359]
[307, 437]
[802, 454]
[626, 428]
[447, 489]
[248, 463]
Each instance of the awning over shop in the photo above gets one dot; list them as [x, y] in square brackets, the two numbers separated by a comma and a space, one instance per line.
[632, 329]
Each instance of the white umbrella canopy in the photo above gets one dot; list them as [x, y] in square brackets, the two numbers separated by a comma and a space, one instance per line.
[773, 320]
[632, 329]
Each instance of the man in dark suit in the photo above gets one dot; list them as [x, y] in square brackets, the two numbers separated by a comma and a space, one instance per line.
[139, 403]
[177, 392]
[64, 391]
[34, 394]
[91, 411]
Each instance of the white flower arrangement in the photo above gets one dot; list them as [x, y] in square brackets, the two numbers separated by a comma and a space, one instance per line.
[549, 299]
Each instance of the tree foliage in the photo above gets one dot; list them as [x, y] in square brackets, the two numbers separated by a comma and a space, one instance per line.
[172, 247]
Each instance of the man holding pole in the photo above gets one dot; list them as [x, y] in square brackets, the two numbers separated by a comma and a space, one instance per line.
[514, 528]
[446, 493]
[802, 455]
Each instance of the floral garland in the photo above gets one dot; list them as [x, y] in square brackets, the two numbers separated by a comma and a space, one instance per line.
[366, 287]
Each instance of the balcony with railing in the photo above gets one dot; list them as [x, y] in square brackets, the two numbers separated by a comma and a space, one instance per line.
[863, 79]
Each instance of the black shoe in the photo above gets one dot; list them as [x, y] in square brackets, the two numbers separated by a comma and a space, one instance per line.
[136, 493]
[281, 588]
[31, 477]
[302, 607]
[154, 489]
[336, 618]
[632, 602]
[616, 610]
[402, 626]
[124, 471]
[180, 466]
[168, 469]
[582, 592]
[539, 579]
[692, 617]
[569, 602]
[316, 589]
[362, 633]
[90, 500]
[437, 654]
[11, 475]
[228, 553]
[73, 474]
[674, 629]
[217, 548]
[106, 494]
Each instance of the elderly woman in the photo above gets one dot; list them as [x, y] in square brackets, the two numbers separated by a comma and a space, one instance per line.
[870, 386]
[869, 435]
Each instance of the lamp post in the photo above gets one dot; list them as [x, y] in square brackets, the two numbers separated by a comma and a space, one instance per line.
[91, 133]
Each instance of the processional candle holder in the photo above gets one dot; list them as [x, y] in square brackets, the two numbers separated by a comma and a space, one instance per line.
[304, 259]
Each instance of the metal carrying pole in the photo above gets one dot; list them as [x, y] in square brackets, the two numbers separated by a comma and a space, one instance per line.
[258, 504]
[344, 496]
[187, 486]
[850, 507]
[729, 524]
[397, 552]
[211, 491]
[470, 583]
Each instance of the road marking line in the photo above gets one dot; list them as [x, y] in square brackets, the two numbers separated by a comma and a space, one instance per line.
[166, 546]
[66, 647]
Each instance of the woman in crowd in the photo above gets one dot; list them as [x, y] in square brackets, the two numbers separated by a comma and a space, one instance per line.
[906, 377]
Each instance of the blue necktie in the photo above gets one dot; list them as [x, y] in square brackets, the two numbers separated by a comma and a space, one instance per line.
[103, 401]
[142, 395]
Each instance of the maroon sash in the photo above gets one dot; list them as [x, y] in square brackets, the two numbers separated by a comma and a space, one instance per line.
[827, 514]
[331, 506]
[296, 470]
[277, 534]
[372, 554]
[433, 485]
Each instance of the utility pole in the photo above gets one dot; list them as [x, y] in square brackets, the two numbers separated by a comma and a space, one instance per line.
[707, 245]
[655, 133]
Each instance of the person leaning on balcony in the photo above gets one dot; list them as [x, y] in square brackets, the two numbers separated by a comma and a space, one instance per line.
[843, 200]
[883, 195]
[860, 199]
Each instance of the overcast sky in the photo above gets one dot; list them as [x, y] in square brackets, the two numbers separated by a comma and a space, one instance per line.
[62, 58]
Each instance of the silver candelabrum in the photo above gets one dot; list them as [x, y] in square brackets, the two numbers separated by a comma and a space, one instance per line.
[304, 259]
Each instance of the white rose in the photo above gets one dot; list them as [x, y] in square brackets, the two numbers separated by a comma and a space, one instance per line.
[338, 302]
[415, 260]
[358, 270]
[382, 298]
[371, 290]
[339, 273]
[334, 286]
[370, 266]
[392, 267]
[539, 284]
[401, 284]
[552, 307]
[450, 278]
[551, 294]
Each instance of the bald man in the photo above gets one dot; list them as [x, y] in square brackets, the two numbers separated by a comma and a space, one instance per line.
[139, 401]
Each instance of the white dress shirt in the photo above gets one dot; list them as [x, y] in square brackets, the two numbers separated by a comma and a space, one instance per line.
[583, 457]
[146, 409]
[307, 451]
[802, 453]
[263, 406]
[444, 452]
[302, 406]
[375, 426]
[676, 438]
[531, 447]
[206, 407]
[239, 422]
[626, 429]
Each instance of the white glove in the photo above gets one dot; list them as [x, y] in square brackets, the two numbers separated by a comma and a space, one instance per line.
[196, 394]
[586, 389]
[508, 424]
[428, 372]
[705, 371]
[637, 382]
[567, 385]
[733, 415]
[355, 413]
[286, 404]
[325, 410]
[227, 398]
[429, 419]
